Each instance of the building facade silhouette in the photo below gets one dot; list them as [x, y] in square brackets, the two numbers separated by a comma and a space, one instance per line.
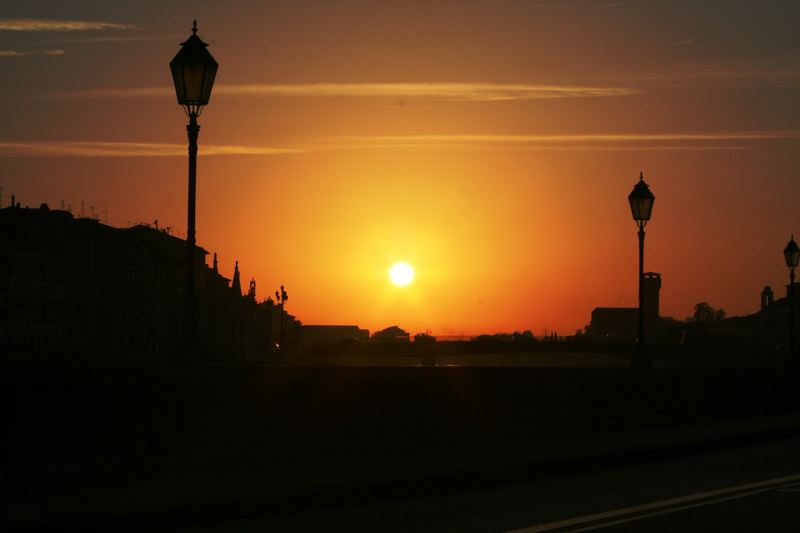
[620, 323]
[74, 290]
[763, 332]
[767, 297]
[320, 337]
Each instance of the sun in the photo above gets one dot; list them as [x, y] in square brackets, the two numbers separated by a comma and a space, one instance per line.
[401, 274]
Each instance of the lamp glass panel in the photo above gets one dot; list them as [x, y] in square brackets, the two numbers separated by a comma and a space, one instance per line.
[209, 74]
[177, 78]
[193, 82]
[641, 208]
[792, 255]
[194, 76]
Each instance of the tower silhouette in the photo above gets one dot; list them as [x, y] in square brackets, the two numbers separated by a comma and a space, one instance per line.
[767, 297]
[236, 284]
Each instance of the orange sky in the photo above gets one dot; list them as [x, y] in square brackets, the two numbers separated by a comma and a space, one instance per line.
[491, 145]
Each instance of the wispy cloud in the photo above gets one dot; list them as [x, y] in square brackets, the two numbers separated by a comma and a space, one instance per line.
[18, 53]
[571, 140]
[482, 92]
[551, 142]
[611, 142]
[114, 39]
[29, 24]
[576, 142]
[443, 91]
[495, 147]
[579, 137]
[130, 149]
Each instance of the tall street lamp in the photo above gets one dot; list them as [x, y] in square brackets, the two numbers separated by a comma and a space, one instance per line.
[193, 71]
[792, 255]
[641, 201]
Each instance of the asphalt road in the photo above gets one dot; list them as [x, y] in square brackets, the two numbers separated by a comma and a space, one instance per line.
[333, 449]
[753, 488]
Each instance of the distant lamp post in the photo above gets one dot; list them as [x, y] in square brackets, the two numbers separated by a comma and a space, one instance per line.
[792, 255]
[282, 298]
[193, 71]
[641, 200]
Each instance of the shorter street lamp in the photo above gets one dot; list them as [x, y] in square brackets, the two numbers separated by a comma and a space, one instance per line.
[792, 255]
[281, 298]
[193, 71]
[641, 201]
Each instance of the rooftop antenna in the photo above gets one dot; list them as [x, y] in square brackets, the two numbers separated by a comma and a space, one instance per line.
[83, 211]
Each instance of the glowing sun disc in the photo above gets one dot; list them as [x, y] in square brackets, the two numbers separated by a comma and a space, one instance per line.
[401, 274]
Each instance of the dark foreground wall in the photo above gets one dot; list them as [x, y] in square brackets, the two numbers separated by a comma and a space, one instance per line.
[62, 412]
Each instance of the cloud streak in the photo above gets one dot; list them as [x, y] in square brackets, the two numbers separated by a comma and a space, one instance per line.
[565, 142]
[557, 142]
[29, 24]
[130, 149]
[18, 53]
[442, 91]
[578, 137]
[472, 92]
[114, 39]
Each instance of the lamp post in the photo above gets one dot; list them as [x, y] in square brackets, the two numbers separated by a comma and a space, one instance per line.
[792, 255]
[282, 297]
[641, 201]
[193, 71]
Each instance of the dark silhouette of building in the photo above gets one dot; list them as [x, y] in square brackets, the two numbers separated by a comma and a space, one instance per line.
[74, 290]
[391, 334]
[621, 323]
[236, 284]
[314, 337]
[765, 331]
[766, 297]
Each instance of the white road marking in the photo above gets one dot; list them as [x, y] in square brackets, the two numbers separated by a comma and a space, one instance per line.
[671, 510]
[580, 520]
[790, 488]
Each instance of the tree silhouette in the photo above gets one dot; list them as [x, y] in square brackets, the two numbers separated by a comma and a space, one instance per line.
[703, 312]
